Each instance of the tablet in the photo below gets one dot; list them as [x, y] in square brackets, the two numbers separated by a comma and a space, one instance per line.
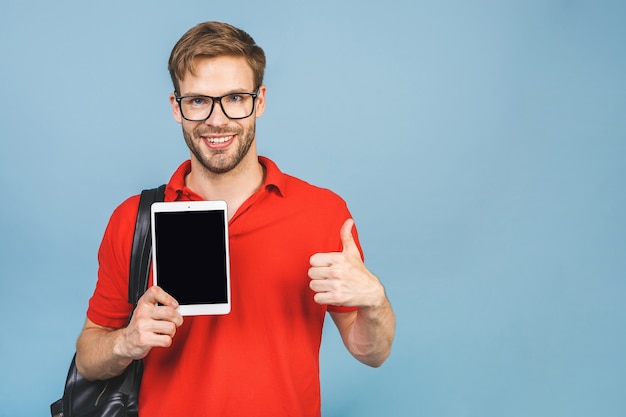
[190, 257]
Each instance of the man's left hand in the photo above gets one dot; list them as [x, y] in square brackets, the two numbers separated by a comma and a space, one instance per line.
[341, 278]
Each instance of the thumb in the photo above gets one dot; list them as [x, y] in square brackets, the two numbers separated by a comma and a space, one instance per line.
[156, 295]
[347, 239]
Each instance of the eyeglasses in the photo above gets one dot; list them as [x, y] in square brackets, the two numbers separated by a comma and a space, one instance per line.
[234, 106]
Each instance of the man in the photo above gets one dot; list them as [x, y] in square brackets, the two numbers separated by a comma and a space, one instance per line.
[294, 257]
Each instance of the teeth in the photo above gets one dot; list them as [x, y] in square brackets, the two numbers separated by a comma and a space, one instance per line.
[220, 140]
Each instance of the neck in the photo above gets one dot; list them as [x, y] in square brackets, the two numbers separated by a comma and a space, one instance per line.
[234, 186]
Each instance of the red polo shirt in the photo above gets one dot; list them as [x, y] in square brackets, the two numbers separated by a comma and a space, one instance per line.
[262, 359]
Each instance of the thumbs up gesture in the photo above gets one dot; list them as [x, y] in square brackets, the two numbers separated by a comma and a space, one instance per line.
[341, 278]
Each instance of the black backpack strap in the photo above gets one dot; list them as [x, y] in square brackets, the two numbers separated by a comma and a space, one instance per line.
[142, 245]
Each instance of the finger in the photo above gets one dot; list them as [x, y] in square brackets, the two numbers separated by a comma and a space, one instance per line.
[156, 339]
[323, 298]
[319, 273]
[326, 298]
[166, 313]
[156, 295]
[323, 291]
[146, 314]
[319, 260]
[347, 239]
[319, 285]
[163, 341]
[161, 327]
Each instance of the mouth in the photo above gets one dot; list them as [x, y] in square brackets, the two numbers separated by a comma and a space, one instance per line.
[218, 141]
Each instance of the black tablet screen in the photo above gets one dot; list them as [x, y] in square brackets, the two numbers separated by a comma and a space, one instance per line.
[191, 255]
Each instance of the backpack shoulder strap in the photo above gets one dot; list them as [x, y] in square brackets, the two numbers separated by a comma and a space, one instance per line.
[142, 244]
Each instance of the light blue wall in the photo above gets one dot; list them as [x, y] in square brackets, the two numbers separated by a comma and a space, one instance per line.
[480, 145]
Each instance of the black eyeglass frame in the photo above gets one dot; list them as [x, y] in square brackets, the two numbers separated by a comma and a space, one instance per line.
[213, 101]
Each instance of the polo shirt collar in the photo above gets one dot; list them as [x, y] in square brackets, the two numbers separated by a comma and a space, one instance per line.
[176, 189]
[274, 178]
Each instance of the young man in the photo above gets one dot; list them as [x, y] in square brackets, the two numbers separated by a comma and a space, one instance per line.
[294, 257]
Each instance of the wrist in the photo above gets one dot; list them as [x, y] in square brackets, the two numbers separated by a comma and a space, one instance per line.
[376, 306]
[377, 299]
[121, 354]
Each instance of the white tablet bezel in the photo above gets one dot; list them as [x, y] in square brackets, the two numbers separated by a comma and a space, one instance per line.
[185, 206]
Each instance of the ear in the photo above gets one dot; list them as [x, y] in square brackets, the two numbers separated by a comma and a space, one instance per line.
[175, 109]
[259, 106]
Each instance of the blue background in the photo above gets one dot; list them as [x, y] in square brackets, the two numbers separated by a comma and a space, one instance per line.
[480, 146]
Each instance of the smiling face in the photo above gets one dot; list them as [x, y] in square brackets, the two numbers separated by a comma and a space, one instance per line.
[219, 144]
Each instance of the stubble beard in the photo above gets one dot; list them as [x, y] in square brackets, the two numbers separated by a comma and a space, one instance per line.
[219, 161]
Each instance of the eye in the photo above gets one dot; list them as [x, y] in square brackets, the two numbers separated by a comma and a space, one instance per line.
[234, 98]
[197, 101]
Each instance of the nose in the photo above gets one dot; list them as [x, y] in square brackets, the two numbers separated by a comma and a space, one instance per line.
[217, 117]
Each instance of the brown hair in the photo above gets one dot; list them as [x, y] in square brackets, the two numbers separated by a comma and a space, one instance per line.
[211, 40]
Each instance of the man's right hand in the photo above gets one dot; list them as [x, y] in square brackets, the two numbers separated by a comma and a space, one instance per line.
[153, 324]
[104, 352]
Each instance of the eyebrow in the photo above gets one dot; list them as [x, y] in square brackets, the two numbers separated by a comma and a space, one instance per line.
[234, 91]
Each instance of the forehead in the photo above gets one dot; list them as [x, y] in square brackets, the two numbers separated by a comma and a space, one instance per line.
[217, 76]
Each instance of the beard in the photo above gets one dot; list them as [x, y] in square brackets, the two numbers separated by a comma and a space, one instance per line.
[219, 161]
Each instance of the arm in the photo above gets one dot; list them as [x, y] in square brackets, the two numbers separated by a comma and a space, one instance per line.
[103, 352]
[342, 279]
[367, 333]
